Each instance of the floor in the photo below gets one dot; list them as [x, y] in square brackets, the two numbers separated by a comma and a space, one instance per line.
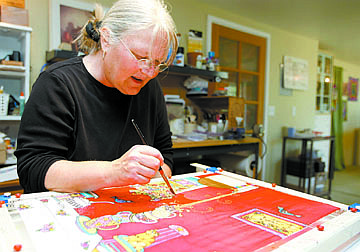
[346, 186]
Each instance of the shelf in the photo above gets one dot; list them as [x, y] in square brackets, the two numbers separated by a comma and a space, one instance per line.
[15, 79]
[11, 161]
[10, 118]
[191, 71]
[233, 105]
[306, 166]
[211, 101]
[6, 27]
[12, 70]
[311, 138]
[12, 186]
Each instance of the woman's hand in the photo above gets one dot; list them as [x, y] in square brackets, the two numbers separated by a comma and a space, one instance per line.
[137, 166]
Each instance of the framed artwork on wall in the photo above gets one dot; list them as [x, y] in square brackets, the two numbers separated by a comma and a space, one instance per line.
[67, 17]
[296, 73]
[353, 87]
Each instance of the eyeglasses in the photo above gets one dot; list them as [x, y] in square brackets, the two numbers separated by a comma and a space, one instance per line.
[145, 64]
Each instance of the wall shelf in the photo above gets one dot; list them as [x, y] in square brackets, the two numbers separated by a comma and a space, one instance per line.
[10, 118]
[191, 71]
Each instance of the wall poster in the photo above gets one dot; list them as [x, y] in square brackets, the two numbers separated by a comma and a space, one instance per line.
[353, 87]
[296, 73]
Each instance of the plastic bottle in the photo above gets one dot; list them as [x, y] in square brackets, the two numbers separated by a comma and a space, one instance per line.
[179, 58]
[220, 126]
[22, 102]
[199, 61]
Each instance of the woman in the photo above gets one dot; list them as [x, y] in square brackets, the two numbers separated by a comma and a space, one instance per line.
[76, 132]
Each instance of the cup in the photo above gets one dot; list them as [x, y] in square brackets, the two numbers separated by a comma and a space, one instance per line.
[291, 131]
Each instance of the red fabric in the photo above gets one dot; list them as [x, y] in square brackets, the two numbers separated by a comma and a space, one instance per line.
[209, 224]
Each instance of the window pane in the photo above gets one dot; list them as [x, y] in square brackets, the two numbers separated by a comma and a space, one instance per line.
[318, 88]
[250, 116]
[320, 63]
[326, 88]
[228, 52]
[318, 104]
[249, 87]
[249, 57]
[233, 80]
[327, 65]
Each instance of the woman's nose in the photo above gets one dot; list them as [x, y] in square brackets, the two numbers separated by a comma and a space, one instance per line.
[150, 71]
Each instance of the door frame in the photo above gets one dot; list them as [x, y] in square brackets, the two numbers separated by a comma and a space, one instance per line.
[215, 20]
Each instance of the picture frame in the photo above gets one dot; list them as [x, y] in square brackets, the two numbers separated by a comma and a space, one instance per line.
[296, 73]
[353, 89]
[63, 13]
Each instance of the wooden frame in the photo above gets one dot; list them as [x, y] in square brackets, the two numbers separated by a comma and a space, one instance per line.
[55, 15]
[243, 37]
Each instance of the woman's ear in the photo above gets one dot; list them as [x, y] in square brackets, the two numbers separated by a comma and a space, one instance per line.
[105, 38]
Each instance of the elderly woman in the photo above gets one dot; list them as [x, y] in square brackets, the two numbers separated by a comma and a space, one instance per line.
[76, 132]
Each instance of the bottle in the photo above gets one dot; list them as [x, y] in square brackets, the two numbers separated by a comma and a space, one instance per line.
[199, 62]
[22, 102]
[179, 58]
[220, 126]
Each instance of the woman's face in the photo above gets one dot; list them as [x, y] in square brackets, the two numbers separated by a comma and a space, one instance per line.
[121, 67]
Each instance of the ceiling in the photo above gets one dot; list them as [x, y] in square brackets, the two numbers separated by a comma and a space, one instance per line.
[334, 23]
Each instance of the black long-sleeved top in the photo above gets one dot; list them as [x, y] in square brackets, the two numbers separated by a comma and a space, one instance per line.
[72, 116]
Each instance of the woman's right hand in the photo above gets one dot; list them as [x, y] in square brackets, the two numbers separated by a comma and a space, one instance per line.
[137, 166]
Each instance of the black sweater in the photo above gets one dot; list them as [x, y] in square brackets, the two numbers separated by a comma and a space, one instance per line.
[72, 116]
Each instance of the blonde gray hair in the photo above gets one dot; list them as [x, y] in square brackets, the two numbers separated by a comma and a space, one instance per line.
[127, 17]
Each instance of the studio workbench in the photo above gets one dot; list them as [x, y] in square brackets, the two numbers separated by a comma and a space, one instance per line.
[187, 149]
[213, 210]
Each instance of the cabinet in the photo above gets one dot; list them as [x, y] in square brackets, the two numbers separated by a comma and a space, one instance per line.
[172, 83]
[14, 79]
[306, 166]
[324, 83]
[232, 106]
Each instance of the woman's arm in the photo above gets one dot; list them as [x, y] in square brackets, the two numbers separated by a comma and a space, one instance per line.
[136, 166]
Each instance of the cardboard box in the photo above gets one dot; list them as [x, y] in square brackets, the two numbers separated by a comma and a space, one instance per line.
[13, 3]
[14, 15]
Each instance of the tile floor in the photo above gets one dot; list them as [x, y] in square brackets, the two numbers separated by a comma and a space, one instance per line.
[346, 186]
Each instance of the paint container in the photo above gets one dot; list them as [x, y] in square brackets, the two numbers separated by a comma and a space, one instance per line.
[291, 131]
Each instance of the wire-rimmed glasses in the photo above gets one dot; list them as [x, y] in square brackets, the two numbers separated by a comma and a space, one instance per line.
[145, 64]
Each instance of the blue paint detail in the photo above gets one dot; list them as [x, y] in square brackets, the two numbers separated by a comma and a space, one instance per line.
[354, 206]
[213, 169]
[4, 198]
[117, 200]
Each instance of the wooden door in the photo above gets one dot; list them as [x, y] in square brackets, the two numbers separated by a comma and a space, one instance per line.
[242, 55]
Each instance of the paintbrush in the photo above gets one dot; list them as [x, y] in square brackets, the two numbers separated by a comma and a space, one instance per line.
[161, 171]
